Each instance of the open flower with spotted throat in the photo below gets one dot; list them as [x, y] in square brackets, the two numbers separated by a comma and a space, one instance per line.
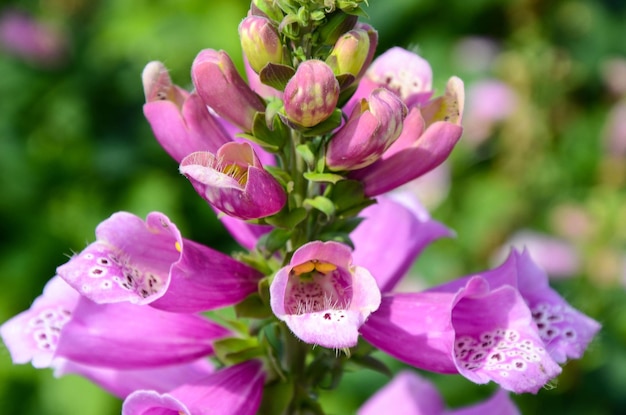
[322, 296]
[149, 262]
[233, 181]
[63, 328]
[506, 325]
[410, 394]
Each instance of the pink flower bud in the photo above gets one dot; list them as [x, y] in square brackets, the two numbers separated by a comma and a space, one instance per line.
[311, 94]
[260, 42]
[234, 181]
[371, 129]
[181, 122]
[222, 88]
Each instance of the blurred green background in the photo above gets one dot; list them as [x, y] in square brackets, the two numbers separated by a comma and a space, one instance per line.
[75, 148]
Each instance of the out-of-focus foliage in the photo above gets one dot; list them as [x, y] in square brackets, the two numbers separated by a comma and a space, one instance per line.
[74, 148]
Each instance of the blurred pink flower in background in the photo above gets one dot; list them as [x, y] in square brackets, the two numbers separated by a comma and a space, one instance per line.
[557, 257]
[488, 102]
[32, 40]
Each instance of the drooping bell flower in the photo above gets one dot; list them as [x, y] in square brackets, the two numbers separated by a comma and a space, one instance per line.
[322, 296]
[233, 390]
[427, 139]
[483, 333]
[403, 227]
[122, 383]
[260, 42]
[62, 326]
[404, 73]
[222, 88]
[33, 335]
[149, 262]
[565, 331]
[127, 336]
[410, 394]
[234, 181]
[180, 121]
[371, 130]
[311, 95]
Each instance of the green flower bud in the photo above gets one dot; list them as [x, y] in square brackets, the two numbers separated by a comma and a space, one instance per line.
[350, 53]
[260, 42]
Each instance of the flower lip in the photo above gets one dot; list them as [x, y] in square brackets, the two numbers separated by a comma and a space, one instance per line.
[322, 297]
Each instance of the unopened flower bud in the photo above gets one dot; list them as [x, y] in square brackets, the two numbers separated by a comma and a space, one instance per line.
[222, 88]
[260, 42]
[311, 94]
[350, 53]
[181, 122]
[370, 131]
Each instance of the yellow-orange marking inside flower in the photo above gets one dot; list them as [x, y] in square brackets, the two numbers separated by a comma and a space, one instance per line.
[178, 247]
[236, 171]
[322, 267]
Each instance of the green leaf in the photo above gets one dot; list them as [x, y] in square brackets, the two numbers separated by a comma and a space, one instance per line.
[371, 363]
[252, 307]
[274, 240]
[235, 350]
[262, 134]
[306, 153]
[276, 397]
[322, 128]
[276, 75]
[287, 219]
[322, 204]
[323, 177]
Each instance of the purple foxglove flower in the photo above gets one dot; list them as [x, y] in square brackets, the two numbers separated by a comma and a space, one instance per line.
[557, 257]
[233, 390]
[409, 394]
[481, 333]
[62, 325]
[234, 181]
[311, 95]
[33, 335]
[428, 137]
[150, 263]
[565, 331]
[180, 121]
[400, 224]
[127, 336]
[122, 383]
[489, 103]
[222, 88]
[350, 53]
[371, 129]
[260, 42]
[322, 296]
[404, 73]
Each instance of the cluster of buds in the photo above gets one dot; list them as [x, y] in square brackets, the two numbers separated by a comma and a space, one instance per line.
[299, 162]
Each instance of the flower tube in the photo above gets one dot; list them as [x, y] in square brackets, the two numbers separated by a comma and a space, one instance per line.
[222, 88]
[180, 121]
[233, 390]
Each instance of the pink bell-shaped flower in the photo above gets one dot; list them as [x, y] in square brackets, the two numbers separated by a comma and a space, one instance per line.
[322, 296]
[234, 181]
